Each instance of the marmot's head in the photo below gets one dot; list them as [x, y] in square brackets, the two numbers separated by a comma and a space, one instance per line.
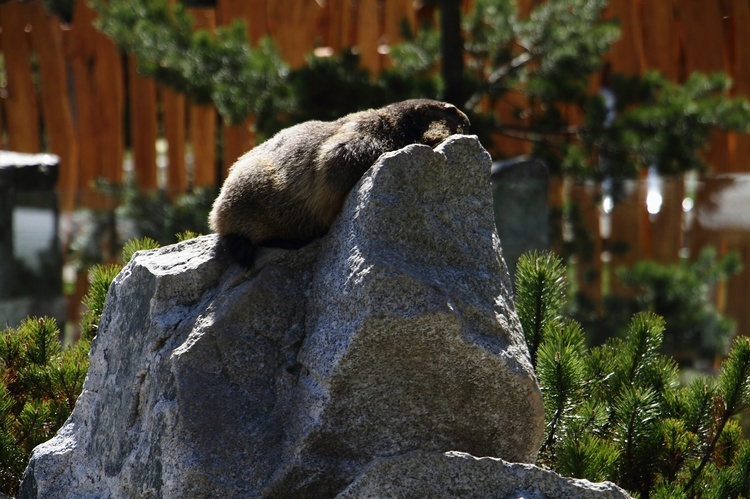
[426, 121]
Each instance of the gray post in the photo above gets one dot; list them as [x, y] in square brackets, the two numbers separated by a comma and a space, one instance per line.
[520, 196]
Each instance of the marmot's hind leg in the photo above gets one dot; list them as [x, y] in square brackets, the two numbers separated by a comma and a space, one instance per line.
[239, 247]
[285, 243]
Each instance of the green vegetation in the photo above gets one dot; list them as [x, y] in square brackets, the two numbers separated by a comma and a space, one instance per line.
[542, 68]
[614, 412]
[138, 215]
[545, 63]
[221, 67]
[40, 384]
[41, 379]
[617, 412]
[681, 293]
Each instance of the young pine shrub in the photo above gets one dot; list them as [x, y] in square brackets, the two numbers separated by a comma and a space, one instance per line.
[540, 281]
[617, 412]
[40, 385]
[100, 279]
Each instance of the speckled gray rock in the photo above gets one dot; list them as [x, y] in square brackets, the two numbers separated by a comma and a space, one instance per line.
[392, 334]
[185, 394]
[416, 344]
[459, 475]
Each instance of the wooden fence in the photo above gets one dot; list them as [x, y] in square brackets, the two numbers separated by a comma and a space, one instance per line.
[76, 106]
[68, 89]
[715, 214]
[84, 86]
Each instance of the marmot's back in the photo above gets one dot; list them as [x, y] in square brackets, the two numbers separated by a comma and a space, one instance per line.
[288, 190]
[263, 186]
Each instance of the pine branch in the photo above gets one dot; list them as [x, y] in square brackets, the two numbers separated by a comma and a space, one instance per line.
[101, 277]
[560, 371]
[734, 386]
[644, 339]
[637, 413]
[540, 295]
[135, 245]
[502, 72]
[741, 467]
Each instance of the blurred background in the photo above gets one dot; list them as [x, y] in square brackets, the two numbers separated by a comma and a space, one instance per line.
[618, 131]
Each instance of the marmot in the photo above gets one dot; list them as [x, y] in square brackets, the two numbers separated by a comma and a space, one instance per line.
[288, 190]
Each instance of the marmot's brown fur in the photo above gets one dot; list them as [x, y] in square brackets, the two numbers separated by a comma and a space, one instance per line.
[288, 190]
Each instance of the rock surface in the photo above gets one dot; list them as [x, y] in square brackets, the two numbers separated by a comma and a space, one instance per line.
[456, 474]
[318, 369]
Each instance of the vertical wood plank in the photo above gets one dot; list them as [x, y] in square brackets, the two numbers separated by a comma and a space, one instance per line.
[740, 72]
[202, 120]
[238, 139]
[332, 24]
[253, 12]
[143, 127]
[110, 98]
[175, 133]
[397, 12]
[174, 120]
[47, 41]
[100, 98]
[660, 37]
[702, 35]
[349, 23]
[368, 35]
[21, 101]
[627, 55]
[203, 139]
[293, 26]
[703, 42]
[81, 61]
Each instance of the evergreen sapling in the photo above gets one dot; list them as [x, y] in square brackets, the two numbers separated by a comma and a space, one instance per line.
[41, 379]
[617, 412]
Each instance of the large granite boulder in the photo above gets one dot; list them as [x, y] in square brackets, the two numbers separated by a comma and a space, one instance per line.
[393, 335]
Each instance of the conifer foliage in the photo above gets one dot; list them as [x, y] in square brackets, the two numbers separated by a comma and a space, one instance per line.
[221, 67]
[40, 384]
[479, 58]
[617, 412]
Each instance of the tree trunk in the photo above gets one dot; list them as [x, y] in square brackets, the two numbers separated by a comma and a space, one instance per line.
[452, 51]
